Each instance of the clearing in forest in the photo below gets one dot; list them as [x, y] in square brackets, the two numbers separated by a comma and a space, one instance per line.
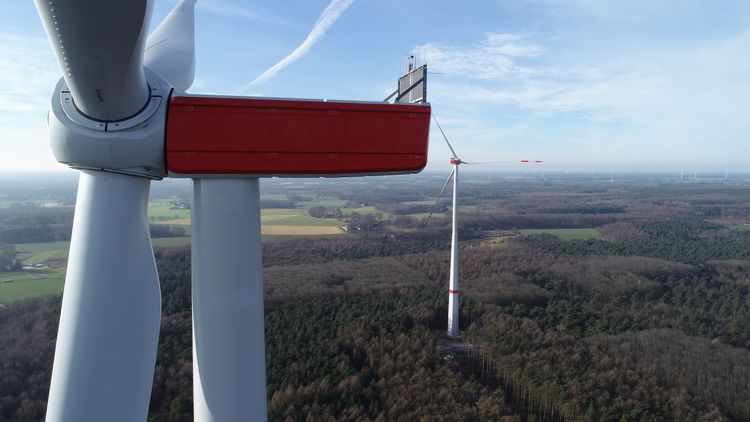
[566, 234]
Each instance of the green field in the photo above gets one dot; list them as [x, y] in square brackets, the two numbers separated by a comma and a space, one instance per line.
[302, 220]
[294, 217]
[163, 211]
[322, 202]
[45, 256]
[566, 234]
[274, 197]
[34, 202]
[461, 209]
[171, 241]
[296, 222]
[160, 203]
[739, 226]
[467, 208]
[363, 211]
[47, 281]
[30, 284]
[37, 253]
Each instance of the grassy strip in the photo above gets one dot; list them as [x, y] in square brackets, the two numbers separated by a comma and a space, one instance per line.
[566, 234]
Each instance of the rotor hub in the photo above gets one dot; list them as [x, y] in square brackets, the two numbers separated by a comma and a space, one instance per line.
[134, 145]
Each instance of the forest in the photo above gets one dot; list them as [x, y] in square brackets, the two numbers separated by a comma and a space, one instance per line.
[650, 321]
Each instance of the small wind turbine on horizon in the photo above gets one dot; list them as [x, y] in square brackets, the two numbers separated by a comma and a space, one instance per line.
[453, 280]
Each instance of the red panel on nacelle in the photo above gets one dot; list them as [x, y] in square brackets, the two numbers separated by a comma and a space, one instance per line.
[224, 135]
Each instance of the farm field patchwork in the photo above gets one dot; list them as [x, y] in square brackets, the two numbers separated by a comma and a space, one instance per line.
[322, 202]
[44, 281]
[296, 222]
[274, 197]
[274, 230]
[275, 223]
[281, 221]
[163, 211]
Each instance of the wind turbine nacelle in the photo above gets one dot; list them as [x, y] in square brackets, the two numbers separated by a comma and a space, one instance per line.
[291, 137]
[200, 136]
[134, 145]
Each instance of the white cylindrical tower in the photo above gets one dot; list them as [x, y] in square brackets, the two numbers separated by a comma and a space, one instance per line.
[453, 285]
[229, 366]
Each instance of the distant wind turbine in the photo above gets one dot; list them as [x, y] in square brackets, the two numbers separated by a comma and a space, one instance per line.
[453, 281]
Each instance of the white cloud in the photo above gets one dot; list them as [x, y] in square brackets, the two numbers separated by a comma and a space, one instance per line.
[28, 73]
[26, 147]
[495, 57]
[324, 22]
[232, 10]
[664, 103]
[619, 11]
[517, 50]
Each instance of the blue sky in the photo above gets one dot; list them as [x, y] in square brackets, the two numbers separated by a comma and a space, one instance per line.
[582, 84]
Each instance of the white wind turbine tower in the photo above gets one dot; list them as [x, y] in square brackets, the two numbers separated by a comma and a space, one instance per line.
[453, 314]
[121, 116]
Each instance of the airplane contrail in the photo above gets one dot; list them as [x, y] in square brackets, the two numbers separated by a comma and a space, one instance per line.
[324, 22]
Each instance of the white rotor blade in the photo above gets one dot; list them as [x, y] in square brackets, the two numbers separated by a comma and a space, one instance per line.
[503, 162]
[109, 323]
[170, 49]
[440, 196]
[444, 137]
[99, 45]
[490, 162]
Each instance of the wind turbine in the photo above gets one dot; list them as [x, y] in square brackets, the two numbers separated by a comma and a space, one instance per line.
[120, 115]
[453, 278]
